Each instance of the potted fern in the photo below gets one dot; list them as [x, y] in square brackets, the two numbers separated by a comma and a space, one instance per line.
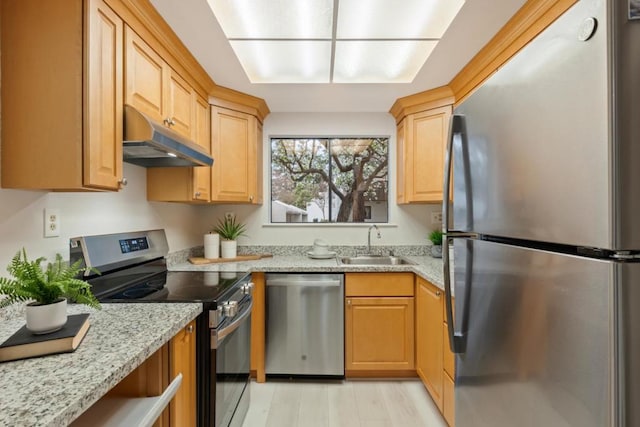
[436, 239]
[229, 230]
[48, 290]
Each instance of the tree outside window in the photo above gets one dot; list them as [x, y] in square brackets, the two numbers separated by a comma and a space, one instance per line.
[329, 179]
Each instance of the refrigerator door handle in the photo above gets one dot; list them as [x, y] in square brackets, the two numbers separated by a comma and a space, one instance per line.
[457, 126]
[457, 340]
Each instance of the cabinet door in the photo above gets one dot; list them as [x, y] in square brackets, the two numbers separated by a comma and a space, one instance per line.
[103, 98]
[231, 134]
[429, 345]
[401, 160]
[182, 359]
[180, 104]
[202, 136]
[256, 194]
[144, 77]
[425, 138]
[379, 334]
[448, 410]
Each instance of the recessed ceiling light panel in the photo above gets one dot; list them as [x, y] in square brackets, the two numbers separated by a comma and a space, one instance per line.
[275, 19]
[380, 61]
[284, 61]
[383, 19]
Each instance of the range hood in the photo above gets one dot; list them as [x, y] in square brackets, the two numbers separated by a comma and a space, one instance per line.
[150, 144]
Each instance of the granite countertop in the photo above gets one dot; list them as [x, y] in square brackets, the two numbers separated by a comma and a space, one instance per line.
[426, 267]
[54, 390]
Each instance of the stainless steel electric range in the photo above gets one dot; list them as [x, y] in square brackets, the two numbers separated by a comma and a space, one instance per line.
[133, 269]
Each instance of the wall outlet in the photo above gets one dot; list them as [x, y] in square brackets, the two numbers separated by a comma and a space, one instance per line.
[51, 222]
[436, 218]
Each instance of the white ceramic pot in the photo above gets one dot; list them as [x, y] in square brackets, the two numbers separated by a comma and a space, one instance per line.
[229, 248]
[42, 319]
[436, 251]
[212, 245]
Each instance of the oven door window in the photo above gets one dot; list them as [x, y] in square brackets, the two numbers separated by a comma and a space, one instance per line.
[232, 365]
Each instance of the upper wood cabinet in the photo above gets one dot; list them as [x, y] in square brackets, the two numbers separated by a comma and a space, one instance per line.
[379, 324]
[421, 143]
[61, 95]
[155, 89]
[184, 184]
[202, 136]
[236, 147]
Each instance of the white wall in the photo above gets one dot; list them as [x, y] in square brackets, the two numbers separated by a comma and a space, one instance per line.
[21, 212]
[412, 223]
[21, 218]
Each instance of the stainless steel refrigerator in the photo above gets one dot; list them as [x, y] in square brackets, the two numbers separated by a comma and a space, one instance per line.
[545, 225]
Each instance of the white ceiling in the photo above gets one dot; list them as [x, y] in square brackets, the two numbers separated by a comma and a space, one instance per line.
[194, 22]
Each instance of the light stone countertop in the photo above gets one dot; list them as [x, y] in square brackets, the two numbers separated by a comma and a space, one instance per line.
[54, 390]
[427, 267]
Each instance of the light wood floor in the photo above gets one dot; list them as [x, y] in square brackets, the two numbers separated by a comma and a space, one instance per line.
[401, 403]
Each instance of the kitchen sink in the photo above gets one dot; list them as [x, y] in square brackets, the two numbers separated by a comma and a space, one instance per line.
[375, 260]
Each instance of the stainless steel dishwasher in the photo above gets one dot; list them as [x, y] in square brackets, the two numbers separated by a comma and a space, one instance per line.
[305, 324]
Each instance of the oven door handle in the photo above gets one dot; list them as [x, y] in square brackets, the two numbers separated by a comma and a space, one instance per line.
[218, 336]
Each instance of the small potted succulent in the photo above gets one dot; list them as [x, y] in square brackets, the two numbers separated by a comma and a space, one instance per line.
[48, 290]
[229, 230]
[436, 239]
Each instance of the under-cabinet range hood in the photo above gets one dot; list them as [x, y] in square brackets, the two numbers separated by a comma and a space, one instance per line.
[150, 144]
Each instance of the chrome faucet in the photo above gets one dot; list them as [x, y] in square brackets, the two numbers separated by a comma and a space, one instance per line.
[369, 238]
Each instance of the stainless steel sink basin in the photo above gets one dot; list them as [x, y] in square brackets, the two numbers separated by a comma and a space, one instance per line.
[375, 260]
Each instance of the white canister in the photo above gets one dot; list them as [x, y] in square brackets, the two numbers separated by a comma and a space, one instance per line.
[229, 248]
[212, 245]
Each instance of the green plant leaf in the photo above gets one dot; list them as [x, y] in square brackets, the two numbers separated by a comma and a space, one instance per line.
[229, 229]
[45, 286]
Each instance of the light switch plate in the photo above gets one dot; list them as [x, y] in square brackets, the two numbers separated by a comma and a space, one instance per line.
[436, 218]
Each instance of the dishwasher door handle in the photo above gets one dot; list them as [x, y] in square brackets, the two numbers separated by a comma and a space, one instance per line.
[305, 283]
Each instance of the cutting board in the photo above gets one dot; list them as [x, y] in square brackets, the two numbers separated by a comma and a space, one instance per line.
[199, 261]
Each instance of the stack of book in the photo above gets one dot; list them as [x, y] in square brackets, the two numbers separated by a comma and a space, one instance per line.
[25, 344]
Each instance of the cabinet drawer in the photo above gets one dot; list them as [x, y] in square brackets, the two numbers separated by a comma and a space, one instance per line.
[379, 284]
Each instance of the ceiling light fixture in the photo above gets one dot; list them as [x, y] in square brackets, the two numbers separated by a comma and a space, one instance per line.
[333, 41]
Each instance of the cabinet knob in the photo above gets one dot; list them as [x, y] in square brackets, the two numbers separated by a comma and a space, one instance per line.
[167, 122]
[438, 293]
[251, 198]
[197, 194]
[190, 329]
[349, 302]
[123, 182]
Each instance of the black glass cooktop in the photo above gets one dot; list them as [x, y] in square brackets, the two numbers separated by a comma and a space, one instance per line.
[153, 283]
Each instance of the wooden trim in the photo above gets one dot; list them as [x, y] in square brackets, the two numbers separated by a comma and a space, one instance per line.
[258, 327]
[524, 26]
[427, 100]
[409, 373]
[234, 100]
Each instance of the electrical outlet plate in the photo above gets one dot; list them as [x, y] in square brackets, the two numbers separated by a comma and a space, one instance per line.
[436, 217]
[51, 223]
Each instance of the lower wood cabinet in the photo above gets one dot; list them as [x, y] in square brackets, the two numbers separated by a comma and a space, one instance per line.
[429, 349]
[182, 359]
[379, 324]
[448, 410]
[435, 363]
